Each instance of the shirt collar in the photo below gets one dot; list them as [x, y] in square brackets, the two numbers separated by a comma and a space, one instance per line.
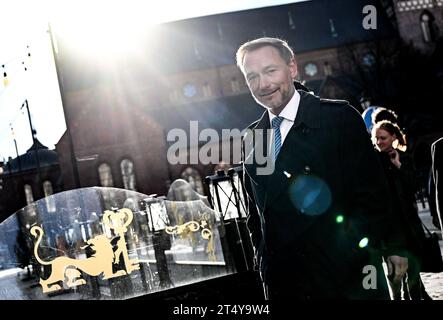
[289, 112]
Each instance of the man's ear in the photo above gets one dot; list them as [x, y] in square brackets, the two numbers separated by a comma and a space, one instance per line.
[293, 68]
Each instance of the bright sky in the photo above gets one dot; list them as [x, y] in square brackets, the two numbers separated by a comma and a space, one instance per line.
[24, 23]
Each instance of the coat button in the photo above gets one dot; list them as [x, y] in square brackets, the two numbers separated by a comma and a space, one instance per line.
[307, 170]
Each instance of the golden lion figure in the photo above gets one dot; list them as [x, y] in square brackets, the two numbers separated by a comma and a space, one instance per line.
[66, 269]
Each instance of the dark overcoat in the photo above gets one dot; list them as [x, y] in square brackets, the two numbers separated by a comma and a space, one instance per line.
[402, 185]
[313, 214]
[436, 194]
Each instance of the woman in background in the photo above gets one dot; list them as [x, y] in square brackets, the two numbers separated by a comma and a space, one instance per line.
[399, 169]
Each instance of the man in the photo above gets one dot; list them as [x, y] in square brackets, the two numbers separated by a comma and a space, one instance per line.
[322, 213]
[436, 194]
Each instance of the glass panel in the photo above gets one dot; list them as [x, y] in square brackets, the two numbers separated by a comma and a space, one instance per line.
[108, 243]
[227, 205]
[241, 203]
[193, 177]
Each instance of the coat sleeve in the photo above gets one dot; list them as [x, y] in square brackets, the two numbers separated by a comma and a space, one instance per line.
[406, 175]
[437, 176]
[368, 204]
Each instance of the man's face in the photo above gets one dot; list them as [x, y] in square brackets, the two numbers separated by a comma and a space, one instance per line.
[269, 78]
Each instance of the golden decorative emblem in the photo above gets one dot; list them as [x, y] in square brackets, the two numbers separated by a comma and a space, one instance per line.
[195, 226]
[67, 270]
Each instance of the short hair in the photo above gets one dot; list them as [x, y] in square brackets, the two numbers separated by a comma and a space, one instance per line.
[282, 47]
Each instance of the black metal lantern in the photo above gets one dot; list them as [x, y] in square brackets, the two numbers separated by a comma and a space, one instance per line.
[227, 195]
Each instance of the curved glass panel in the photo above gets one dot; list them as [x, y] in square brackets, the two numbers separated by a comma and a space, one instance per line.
[108, 243]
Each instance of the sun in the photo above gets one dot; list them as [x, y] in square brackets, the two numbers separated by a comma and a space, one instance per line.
[108, 28]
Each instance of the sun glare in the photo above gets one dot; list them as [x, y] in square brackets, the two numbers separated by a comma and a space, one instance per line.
[97, 27]
[115, 26]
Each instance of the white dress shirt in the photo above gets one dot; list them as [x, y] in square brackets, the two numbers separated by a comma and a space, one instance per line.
[288, 114]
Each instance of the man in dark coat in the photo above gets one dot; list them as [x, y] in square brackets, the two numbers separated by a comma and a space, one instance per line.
[437, 180]
[322, 209]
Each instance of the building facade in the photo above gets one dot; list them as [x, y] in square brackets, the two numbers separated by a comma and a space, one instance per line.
[29, 177]
[188, 74]
[124, 113]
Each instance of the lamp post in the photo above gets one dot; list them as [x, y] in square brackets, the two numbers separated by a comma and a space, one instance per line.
[18, 194]
[33, 133]
[16, 150]
[154, 209]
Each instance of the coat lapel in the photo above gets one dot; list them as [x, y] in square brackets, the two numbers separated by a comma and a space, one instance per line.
[254, 146]
[307, 118]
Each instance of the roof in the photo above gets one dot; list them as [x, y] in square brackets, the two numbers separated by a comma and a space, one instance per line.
[28, 160]
[210, 41]
[315, 85]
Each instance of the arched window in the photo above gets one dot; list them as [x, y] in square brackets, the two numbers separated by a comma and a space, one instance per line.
[193, 177]
[173, 95]
[105, 174]
[207, 92]
[50, 202]
[291, 21]
[1, 172]
[31, 210]
[235, 85]
[28, 194]
[196, 51]
[327, 69]
[427, 26]
[128, 174]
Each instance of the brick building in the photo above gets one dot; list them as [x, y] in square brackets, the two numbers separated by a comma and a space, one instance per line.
[419, 22]
[120, 110]
[23, 181]
[188, 73]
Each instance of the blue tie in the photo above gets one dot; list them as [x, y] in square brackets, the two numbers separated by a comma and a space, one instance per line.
[276, 122]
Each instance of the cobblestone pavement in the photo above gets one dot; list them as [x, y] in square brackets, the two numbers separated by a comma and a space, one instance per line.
[434, 284]
[433, 281]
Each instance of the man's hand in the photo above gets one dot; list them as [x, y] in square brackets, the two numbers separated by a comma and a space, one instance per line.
[397, 267]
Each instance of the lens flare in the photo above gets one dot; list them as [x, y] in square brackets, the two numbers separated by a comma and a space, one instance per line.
[363, 242]
[310, 195]
[339, 218]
